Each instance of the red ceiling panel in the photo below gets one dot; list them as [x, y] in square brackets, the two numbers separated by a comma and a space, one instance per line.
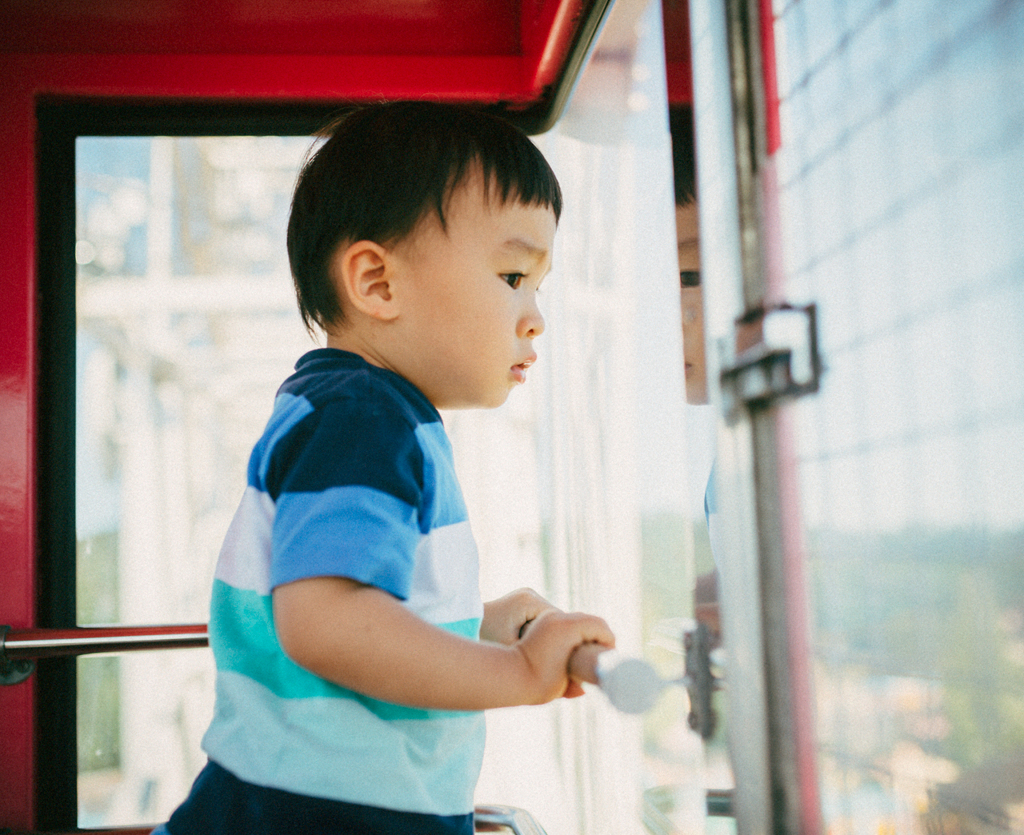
[253, 27]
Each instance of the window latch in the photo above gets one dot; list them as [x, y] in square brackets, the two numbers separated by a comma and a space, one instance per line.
[700, 680]
[776, 358]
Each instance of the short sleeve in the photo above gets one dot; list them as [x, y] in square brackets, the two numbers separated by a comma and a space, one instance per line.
[349, 485]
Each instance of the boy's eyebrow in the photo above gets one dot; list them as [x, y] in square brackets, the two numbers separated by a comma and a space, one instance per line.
[538, 253]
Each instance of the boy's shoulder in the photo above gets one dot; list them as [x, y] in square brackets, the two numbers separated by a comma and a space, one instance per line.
[328, 377]
[340, 418]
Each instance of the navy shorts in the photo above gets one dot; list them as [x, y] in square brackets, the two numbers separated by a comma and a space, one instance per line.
[221, 804]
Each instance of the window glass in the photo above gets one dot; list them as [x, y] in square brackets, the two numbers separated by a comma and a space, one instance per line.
[900, 178]
[579, 484]
[186, 326]
[181, 260]
[141, 716]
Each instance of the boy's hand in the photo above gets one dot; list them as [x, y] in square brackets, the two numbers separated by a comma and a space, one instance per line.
[549, 641]
[505, 618]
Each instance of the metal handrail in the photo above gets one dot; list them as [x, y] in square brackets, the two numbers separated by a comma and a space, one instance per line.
[19, 649]
[81, 640]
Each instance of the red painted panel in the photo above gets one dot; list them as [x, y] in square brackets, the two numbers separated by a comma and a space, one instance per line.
[769, 73]
[17, 437]
[270, 77]
[308, 27]
[548, 28]
[678, 68]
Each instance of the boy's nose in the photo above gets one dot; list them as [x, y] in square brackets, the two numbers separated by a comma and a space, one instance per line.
[531, 324]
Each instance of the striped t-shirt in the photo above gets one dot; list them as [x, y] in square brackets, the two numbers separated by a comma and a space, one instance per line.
[353, 477]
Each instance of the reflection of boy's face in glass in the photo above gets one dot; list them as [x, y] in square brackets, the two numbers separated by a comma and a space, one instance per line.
[688, 238]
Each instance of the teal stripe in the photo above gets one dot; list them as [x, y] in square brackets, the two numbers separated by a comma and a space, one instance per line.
[469, 628]
[243, 640]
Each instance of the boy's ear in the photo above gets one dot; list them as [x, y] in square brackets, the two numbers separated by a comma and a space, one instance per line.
[362, 272]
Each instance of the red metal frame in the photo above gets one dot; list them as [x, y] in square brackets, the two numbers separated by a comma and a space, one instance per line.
[678, 67]
[479, 50]
[17, 450]
[769, 75]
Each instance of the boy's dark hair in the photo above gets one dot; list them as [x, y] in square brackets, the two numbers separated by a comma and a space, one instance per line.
[383, 167]
[680, 125]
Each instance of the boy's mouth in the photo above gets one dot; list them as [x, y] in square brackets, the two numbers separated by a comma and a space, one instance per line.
[519, 371]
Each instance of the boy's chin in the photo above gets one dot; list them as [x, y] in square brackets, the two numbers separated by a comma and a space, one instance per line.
[492, 402]
[465, 402]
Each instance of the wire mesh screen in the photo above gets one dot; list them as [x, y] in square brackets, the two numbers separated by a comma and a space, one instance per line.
[901, 176]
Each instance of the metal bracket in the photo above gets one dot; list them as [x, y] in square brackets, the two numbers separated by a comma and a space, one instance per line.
[777, 358]
[13, 671]
[505, 819]
[700, 680]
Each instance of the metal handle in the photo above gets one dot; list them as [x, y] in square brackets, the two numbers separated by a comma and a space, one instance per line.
[631, 684]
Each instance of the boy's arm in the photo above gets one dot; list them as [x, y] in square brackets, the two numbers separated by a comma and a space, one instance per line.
[362, 638]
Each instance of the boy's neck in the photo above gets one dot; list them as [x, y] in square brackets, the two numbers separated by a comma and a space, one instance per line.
[349, 340]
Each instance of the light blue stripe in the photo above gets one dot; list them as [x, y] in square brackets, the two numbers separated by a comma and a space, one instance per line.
[288, 411]
[443, 500]
[337, 749]
[350, 531]
[243, 640]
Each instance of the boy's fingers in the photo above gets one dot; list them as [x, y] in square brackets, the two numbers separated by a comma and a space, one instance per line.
[583, 662]
[532, 607]
[595, 630]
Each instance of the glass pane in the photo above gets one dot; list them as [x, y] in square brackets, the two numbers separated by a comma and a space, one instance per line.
[579, 485]
[900, 180]
[141, 717]
[187, 324]
[181, 260]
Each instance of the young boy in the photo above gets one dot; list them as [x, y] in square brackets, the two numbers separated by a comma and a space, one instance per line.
[353, 652]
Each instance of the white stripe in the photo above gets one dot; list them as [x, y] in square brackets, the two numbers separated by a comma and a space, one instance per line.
[244, 561]
[446, 579]
[445, 584]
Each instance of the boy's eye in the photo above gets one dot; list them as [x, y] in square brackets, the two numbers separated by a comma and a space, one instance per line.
[513, 280]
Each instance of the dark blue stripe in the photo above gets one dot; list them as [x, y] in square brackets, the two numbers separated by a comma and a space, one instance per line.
[321, 374]
[348, 442]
